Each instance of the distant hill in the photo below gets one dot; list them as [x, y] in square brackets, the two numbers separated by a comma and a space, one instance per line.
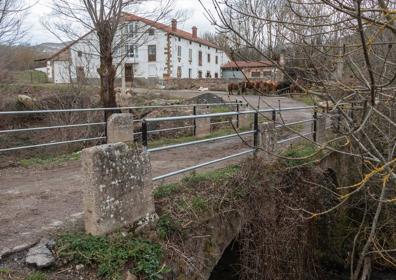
[50, 48]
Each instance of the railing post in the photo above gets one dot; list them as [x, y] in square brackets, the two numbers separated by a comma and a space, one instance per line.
[256, 131]
[194, 121]
[105, 129]
[144, 135]
[274, 115]
[237, 116]
[315, 126]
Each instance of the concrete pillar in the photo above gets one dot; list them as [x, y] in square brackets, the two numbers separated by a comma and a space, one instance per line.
[117, 187]
[120, 128]
[245, 120]
[202, 125]
[321, 129]
[268, 138]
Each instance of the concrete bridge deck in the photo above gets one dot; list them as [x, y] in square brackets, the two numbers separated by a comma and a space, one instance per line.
[35, 200]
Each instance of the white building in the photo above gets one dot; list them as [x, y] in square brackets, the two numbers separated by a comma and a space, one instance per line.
[151, 50]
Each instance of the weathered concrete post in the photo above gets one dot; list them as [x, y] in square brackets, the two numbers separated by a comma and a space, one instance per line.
[244, 119]
[268, 138]
[118, 187]
[120, 128]
[321, 129]
[202, 126]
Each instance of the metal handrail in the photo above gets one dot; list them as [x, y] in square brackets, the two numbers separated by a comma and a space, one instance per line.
[51, 144]
[295, 137]
[184, 170]
[116, 108]
[50, 127]
[224, 114]
[293, 123]
[199, 141]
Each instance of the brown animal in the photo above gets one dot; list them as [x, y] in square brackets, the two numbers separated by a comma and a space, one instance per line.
[296, 85]
[232, 87]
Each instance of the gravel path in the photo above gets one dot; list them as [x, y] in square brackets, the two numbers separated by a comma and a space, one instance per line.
[40, 199]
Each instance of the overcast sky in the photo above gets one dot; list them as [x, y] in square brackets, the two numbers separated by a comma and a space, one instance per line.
[38, 34]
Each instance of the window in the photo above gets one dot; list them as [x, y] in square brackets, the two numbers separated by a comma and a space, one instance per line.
[132, 29]
[179, 39]
[79, 53]
[255, 74]
[208, 75]
[131, 50]
[199, 74]
[152, 53]
[208, 57]
[217, 59]
[189, 73]
[190, 42]
[151, 31]
[179, 51]
[200, 58]
[179, 72]
[190, 55]
[216, 75]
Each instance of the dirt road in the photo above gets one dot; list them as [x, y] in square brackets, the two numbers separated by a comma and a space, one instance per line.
[39, 199]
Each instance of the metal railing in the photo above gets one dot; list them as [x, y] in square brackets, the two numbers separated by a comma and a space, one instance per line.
[255, 132]
[103, 134]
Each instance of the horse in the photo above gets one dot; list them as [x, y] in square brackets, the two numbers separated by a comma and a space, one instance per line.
[232, 87]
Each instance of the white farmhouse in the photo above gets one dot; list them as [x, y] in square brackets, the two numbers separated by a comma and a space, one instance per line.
[144, 49]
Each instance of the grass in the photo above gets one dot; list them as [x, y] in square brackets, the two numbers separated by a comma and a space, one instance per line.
[215, 176]
[302, 150]
[166, 226]
[307, 99]
[166, 190]
[36, 276]
[111, 253]
[49, 160]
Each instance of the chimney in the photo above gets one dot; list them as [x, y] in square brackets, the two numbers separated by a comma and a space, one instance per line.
[194, 32]
[174, 25]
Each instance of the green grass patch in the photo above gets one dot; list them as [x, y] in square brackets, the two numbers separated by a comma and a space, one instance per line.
[109, 254]
[36, 276]
[166, 226]
[166, 190]
[303, 150]
[47, 160]
[199, 204]
[215, 176]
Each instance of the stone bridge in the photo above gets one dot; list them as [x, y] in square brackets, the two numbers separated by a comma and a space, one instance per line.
[119, 190]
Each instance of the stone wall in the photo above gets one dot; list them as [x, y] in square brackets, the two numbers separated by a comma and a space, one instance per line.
[211, 84]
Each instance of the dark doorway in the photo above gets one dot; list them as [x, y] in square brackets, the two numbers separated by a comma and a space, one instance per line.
[129, 72]
[228, 266]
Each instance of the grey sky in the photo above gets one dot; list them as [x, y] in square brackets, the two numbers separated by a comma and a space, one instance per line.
[38, 34]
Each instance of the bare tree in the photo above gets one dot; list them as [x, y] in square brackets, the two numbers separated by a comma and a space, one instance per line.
[103, 21]
[344, 51]
[11, 15]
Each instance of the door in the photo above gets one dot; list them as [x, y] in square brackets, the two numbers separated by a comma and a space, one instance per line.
[80, 74]
[128, 72]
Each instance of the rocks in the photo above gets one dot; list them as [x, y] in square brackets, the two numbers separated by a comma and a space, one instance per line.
[40, 255]
[26, 101]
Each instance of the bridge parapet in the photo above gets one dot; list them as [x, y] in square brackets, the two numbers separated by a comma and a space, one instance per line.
[118, 187]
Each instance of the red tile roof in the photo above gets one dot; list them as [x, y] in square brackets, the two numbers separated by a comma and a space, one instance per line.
[167, 28]
[247, 64]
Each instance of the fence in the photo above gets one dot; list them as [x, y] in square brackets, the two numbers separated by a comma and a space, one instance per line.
[255, 132]
[195, 118]
[102, 135]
